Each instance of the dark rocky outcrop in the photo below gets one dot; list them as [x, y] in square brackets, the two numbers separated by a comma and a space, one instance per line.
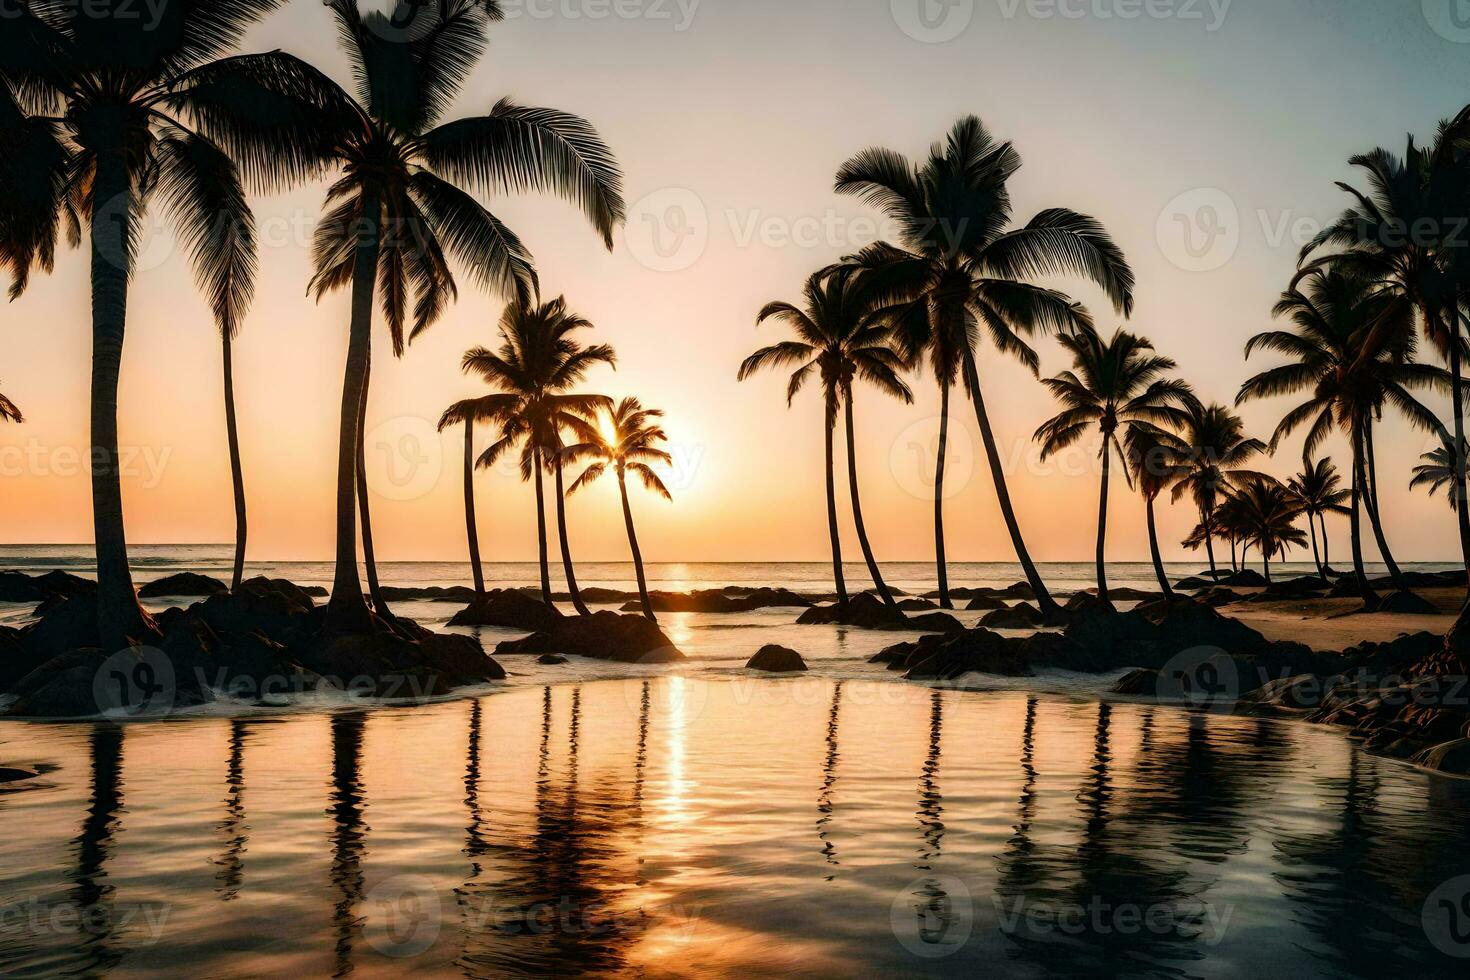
[1018, 617]
[430, 593]
[552, 659]
[1406, 603]
[918, 605]
[868, 612]
[777, 660]
[183, 584]
[721, 601]
[986, 603]
[20, 587]
[508, 609]
[602, 636]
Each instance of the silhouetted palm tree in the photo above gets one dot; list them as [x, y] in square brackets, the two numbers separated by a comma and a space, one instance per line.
[840, 338]
[628, 444]
[1218, 453]
[1157, 458]
[961, 268]
[398, 213]
[1352, 348]
[536, 365]
[1112, 383]
[469, 413]
[100, 116]
[1437, 471]
[1318, 489]
[1268, 514]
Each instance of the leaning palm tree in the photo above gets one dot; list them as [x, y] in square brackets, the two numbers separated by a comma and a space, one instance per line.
[1436, 472]
[1268, 512]
[1219, 452]
[398, 211]
[840, 339]
[102, 114]
[1352, 348]
[1156, 458]
[628, 443]
[536, 365]
[1319, 490]
[959, 267]
[1112, 383]
[469, 413]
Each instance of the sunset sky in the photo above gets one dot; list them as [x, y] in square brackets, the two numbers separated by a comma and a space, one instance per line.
[729, 118]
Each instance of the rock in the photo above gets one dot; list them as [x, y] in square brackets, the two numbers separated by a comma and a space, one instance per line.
[1119, 594]
[1407, 603]
[721, 601]
[1305, 691]
[1019, 617]
[183, 584]
[1451, 758]
[1292, 589]
[551, 659]
[602, 636]
[70, 625]
[777, 660]
[894, 657]
[510, 609]
[59, 688]
[985, 603]
[1021, 590]
[1139, 683]
[292, 592]
[20, 587]
[15, 775]
[428, 593]
[1245, 578]
[1193, 584]
[16, 659]
[868, 612]
[979, 651]
[918, 605]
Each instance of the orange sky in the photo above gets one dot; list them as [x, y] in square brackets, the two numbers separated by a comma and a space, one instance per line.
[730, 122]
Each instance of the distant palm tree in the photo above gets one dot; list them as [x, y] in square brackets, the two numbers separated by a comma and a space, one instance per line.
[840, 339]
[1437, 471]
[469, 413]
[1406, 235]
[628, 444]
[1205, 532]
[1268, 514]
[1352, 348]
[9, 412]
[1157, 458]
[1218, 453]
[537, 364]
[1318, 489]
[398, 212]
[1112, 383]
[960, 268]
[102, 112]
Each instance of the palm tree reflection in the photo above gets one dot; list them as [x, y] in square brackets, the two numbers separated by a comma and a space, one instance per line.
[232, 862]
[829, 779]
[349, 833]
[92, 893]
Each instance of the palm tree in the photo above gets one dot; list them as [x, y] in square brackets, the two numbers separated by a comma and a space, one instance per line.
[1318, 488]
[1218, 453]
[1112, 383]
[1352, 348]
[840, 338]
[536, 365]
[628, 442]
[102, 112]
[1157, 458]
[398, 211]
[960, 268]
[1405, 234]
[469, 413]
[1437, 471]
[1268, 512]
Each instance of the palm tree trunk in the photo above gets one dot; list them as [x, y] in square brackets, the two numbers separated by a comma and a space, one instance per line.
[857, 510]
[566, 549]
[1316, 558]
[472, 533]
[633, 546]
[832, 507]
[1370, 499]
[941, 564]
[1266, 563]
[1102, 521]
[237, 474]
[120, 619]
[1207, 516]
[1364, 588]
[369, 555]
[347, 612]
[1047, 604]
[1234, 560]
[1326, 543]
[1153, 547]
[546, 596]
[1462, 513]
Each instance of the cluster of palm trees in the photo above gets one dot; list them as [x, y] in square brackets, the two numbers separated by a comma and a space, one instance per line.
[1397, 262]
[104, 115]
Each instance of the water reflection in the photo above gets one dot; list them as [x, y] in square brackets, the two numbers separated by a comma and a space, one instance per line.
[349, 835]
[93, 895]
[829, 779]
[231, 863]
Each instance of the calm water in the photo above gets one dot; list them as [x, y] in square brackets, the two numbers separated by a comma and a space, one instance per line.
[693, 820]
[684, 826]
